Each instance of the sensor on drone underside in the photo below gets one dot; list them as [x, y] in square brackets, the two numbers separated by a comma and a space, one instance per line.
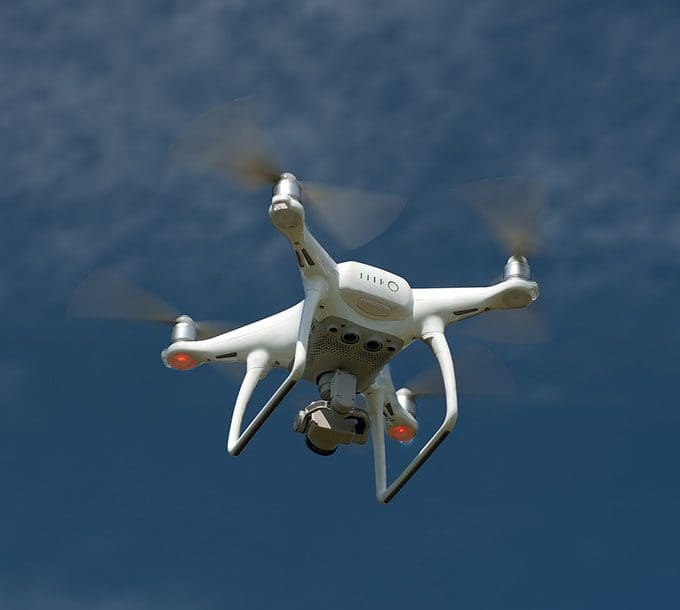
[336, 343]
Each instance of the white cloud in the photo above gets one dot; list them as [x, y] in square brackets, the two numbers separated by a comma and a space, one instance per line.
[375, 94]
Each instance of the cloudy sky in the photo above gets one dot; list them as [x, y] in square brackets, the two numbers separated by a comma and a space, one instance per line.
[116, 491]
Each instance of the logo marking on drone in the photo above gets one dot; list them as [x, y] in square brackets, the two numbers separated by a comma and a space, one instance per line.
[392, 285]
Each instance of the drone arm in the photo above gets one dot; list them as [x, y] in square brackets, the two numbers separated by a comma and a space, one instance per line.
[437, 342]
[258, 368]
[312, 258]
[454, 304]
[288, 216]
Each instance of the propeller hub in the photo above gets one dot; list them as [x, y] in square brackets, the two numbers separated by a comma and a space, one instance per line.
[184, 329]
[288, 186]
[517, 266]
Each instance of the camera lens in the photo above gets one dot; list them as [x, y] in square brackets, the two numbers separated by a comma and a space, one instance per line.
[350, 338]
[318, 450]
[373, 346]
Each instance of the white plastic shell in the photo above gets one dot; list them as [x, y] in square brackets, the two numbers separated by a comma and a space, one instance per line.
[355, 318]
[373, 292]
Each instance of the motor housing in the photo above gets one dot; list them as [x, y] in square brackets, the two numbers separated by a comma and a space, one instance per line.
[184, 329]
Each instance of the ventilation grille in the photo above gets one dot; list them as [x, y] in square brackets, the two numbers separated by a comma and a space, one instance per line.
[327, 351]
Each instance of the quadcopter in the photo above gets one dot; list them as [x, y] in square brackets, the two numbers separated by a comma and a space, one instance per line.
[354, 318]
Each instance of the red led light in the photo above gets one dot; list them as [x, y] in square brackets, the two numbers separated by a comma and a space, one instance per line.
[402, 434]
[181, 361]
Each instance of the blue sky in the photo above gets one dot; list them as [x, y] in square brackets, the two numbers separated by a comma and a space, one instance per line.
[117, 492]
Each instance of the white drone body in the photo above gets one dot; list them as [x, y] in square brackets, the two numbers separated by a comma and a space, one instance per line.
[353, 320]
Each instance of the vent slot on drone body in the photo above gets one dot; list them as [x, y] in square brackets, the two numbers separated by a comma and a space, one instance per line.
[309, 259]
[462, 312]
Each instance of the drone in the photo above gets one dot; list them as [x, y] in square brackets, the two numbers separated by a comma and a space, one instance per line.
[354, 318]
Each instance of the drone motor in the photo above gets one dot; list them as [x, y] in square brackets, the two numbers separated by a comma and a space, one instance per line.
[517, 266]
[184, 329]
[286, 212]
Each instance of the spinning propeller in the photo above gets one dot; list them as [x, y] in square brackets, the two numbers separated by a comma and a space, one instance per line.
[106, 295]
[479, 372]
[228, 141]
[512, 208]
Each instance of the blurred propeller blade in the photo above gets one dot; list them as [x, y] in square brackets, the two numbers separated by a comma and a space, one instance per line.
[106, 295]
[352, 216]
[427, 383]
[227, 141]
[479, 372]
[206, 329]
[512, 208]
[513, 326]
